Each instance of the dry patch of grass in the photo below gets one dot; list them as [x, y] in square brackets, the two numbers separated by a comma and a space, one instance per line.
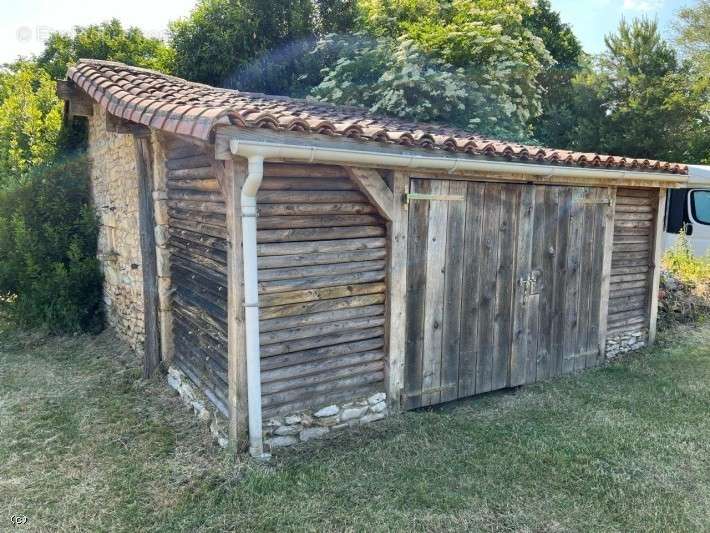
[86, 445]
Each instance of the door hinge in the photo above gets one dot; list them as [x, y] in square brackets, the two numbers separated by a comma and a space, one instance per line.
[434, 197]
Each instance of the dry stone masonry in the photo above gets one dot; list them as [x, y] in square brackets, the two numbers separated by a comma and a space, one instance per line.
[203, 409]
[115, 197]
[626, 342]
[289, 430]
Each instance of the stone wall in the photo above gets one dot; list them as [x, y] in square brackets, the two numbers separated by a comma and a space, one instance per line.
[115, 196]
[626, 342]
[309, 425]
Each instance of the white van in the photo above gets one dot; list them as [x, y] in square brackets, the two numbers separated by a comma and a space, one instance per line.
[690, 209]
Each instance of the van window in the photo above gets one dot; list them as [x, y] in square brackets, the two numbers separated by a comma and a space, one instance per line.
[700, 202]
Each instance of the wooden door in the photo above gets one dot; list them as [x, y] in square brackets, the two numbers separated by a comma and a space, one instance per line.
[503, 285]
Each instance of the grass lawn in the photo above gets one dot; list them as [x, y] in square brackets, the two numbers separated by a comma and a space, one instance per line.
[86, 445]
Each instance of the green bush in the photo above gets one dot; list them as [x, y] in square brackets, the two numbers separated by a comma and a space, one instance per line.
[49, 274]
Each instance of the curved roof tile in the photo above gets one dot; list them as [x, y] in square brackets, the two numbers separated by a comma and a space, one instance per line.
[176, 105]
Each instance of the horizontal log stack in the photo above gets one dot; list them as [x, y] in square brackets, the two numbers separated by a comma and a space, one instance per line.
[198, 266]
[322, 258]
[631, 269]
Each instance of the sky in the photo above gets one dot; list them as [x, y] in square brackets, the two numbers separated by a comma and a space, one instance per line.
[25, 24]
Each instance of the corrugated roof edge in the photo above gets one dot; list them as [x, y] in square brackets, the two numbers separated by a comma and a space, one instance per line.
[194, 109]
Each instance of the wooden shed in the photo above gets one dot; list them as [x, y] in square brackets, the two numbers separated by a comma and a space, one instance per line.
[308, 267]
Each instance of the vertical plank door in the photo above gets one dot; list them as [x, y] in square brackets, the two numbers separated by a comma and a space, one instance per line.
[504, 283]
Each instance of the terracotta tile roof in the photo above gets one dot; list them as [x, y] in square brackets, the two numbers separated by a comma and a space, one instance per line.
[179, 106]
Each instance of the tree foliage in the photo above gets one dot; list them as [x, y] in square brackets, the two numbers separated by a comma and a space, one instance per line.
[555, 80]
[30, 122]
[109, 41]
[694, 34]
[256, 45]
[637, 99]
[468, 63]
[49, 274]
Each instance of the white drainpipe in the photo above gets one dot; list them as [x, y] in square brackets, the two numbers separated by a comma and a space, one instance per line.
[251, 302]
[257, 151]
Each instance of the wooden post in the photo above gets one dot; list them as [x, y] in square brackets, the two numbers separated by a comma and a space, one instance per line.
[606, 271]
[146, 225]
[231, 175]
[397, 290]
[656, 266]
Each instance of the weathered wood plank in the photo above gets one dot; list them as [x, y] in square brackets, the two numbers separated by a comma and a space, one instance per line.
[490, 264]
[319, 369]
[149, 265]
[325, 293]
[656, 266]
[325, 375]
[274, 274]
[343, 317]
[525, 304]
[454, 273]
[307, 184]
[502, 329]
[315, 247]
[317, 282]
[268, 210]
[416, 293]
[434, 294]
[320, 306]
[287, 360]
[332, 339]
[469, 347]
[320, 259]
[560, 283]
[318, 234]
[316, 197]
[322, 221]
[397, 231]
[547, 234]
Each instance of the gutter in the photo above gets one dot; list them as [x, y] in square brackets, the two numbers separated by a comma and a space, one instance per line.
[257, 151]
[324, 154]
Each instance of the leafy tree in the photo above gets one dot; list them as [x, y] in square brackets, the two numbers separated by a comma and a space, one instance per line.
[694, 34]
[30, 122]
[470, 63]
[650, 105]
[49, 274]
[108, 41]
[256, 45]
[557, 117]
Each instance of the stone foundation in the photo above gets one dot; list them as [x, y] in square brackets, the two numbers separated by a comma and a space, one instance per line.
[626, 342]
[195, 400]
[292, 429]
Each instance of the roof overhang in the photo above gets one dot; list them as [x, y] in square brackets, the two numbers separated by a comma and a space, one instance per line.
[233, 141]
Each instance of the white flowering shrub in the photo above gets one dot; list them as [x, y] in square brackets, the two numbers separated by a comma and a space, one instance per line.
[472, 68]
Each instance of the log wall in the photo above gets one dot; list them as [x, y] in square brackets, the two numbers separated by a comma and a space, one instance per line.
[198, 267]
[322, 257]
[631, 273]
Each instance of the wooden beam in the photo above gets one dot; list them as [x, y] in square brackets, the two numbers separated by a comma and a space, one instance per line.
[606, 271]
[231, 174]
[374, 187]
[79, 103]
[119, 125]
[397, 230]
[146, 224]
[656, 265]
